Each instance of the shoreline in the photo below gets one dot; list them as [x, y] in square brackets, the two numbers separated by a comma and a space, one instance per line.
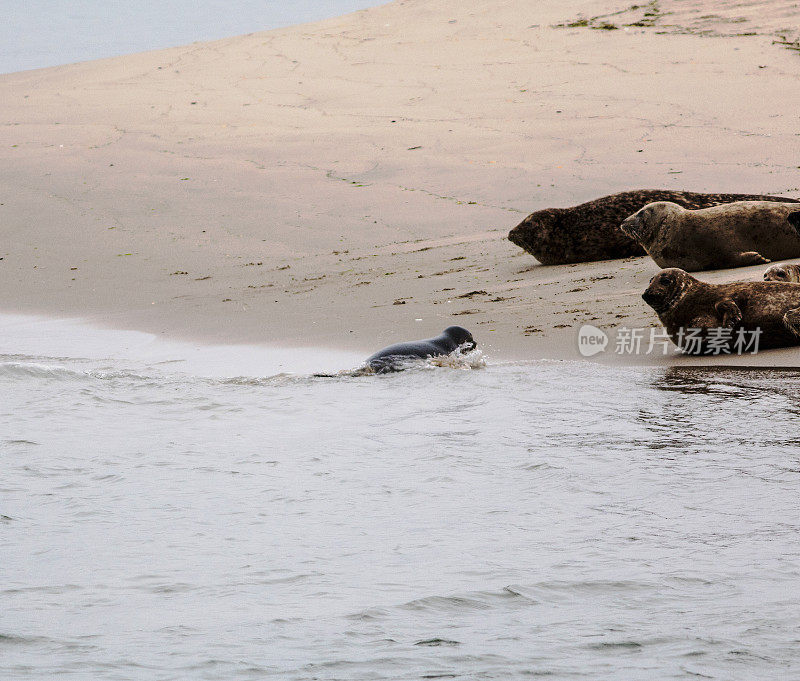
[81, 339]
[92, 40]
[46, 338]
[333, 183]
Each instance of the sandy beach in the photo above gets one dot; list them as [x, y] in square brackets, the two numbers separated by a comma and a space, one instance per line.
[351, 183]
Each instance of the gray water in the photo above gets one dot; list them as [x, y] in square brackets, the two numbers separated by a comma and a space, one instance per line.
[39, 33]
[173, 518]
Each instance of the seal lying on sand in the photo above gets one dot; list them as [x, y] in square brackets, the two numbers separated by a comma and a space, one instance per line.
[731, 235]
[785, 272]
[392, 358]
[590, 231]
[683, 303]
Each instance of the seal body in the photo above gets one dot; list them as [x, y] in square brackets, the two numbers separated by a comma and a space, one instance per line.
[730, 235]
[785, 272]
[590, 231]
[391, 358]
[771, 309]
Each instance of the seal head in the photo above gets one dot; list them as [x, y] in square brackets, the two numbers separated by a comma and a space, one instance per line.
[666, 289]
[461, 337]
[784, 272]
[645, 224]
[545, 236]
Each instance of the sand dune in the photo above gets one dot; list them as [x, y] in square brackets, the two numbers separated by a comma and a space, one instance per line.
[336, 182]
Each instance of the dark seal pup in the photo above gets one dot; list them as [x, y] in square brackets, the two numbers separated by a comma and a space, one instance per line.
[590, 231]
[683, 303]
[393, 357]
[730, 235]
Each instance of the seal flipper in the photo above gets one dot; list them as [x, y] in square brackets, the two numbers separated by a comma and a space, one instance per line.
[749, 258]
[389, 364]
[794, 220]
[729, 312]
[792, 321]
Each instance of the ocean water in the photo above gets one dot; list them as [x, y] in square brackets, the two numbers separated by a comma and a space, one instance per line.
[177, 512]
[39, 33]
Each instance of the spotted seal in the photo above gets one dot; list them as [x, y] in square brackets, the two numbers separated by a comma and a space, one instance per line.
[683, 303]
[785, 272]
[590, 231]
[392, 358]
[729, 235]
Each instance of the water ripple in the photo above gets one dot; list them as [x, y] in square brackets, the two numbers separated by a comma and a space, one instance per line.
[547, 519]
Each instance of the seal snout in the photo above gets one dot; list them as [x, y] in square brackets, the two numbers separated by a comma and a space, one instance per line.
[776, 273]
[656, 296]
[460, 337]
[665, 289]
[652, 298]
[628, 226]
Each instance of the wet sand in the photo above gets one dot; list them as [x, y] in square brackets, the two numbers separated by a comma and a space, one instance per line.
[350, 183]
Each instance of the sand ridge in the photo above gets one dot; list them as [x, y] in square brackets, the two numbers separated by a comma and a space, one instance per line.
[351, 182]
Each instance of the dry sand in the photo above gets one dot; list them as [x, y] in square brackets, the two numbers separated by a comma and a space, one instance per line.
[350, 183]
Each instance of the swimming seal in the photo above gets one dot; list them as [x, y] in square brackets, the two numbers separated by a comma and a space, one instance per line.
[785, 272]
[683, 303]
[590, 231]
[730, 235]
[392, 357]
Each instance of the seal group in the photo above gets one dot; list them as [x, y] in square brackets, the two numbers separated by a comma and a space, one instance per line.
[591, 231]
